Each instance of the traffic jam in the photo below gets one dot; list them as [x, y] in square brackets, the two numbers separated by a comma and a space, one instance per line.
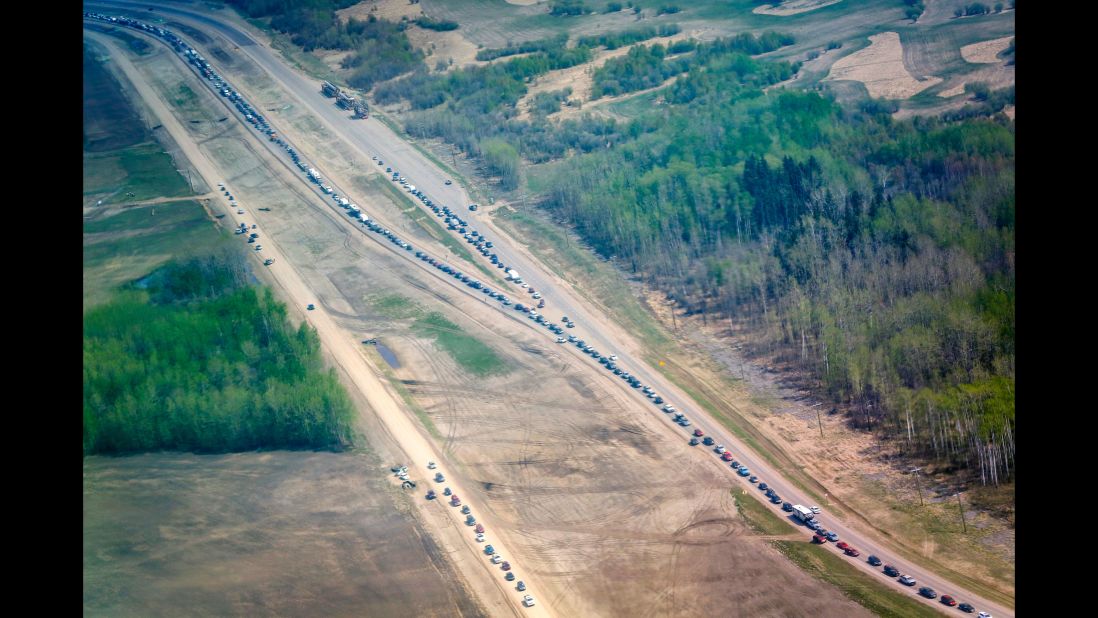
[806, 516]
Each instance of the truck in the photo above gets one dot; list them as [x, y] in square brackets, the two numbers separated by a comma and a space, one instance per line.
[511, 274]
[362, 110]
[803, 513]
[329, 89]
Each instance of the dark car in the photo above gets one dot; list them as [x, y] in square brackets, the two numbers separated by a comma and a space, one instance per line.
[763, 486]
[891, 571]
[928, 592]
[787, 507]
[850, 551]
[948, 600]
[966, 608]
[694, 442]
[776, 499]
[873, 560]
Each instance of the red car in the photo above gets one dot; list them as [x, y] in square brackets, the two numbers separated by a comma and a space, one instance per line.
[506, 566]
[479, 529]
[850, 551]
[820, 539]
[842, 545]
[948, 600]
[727, 456]
[455, 501]
[699, 433]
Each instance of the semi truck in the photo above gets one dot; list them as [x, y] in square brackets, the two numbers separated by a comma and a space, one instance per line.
[329, 89]
[803, 513]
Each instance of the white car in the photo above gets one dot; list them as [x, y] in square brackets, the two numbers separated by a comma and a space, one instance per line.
[480, 537]
[524, 285]
[431, 465]
[720, 449]
[528, 601]
[613, 357]
[496, 559]
[983, 615]
[560, 339]
[240, 211]
[815, 509]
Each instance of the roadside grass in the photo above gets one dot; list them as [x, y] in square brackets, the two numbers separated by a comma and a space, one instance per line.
[470, 353]
[758, 517]
[833, 569]
[395, 306]
[143, 169]
[424, 220]
[177, 229]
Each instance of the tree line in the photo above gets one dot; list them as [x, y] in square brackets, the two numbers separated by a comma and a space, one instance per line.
[201, 361]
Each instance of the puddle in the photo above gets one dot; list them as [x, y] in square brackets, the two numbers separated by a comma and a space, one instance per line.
[388, 355]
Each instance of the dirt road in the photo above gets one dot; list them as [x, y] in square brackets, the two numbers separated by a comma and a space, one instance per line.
[348, 356]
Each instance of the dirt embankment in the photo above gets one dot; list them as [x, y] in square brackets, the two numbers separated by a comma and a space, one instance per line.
[792, 7]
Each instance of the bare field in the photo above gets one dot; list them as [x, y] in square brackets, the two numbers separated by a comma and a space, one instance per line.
[881, 68]
[986, 52]
[446, 46]
[392, 10]
[792, 7]
[280, 533]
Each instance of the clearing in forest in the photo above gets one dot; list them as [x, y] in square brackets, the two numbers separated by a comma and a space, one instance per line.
[881, 68]
[793, 7]
[986, 52]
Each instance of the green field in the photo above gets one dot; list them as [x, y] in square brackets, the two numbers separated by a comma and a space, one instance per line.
[470, 353]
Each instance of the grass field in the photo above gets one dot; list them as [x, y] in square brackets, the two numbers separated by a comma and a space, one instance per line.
[110, 122]
[470, 353]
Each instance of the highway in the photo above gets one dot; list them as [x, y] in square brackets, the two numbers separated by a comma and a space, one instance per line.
[372, 137]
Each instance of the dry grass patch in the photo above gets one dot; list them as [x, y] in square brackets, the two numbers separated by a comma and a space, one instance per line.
[881, 68]
[793, 7]
[986, 52]
[391, 10]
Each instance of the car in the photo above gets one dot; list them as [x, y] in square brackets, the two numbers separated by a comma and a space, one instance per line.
[510, 576]
[694, 442]
[811, 524]
[446, 492]
[439, 478]
[726, 456]
[259, 247]
[465, 510]
[966, 608]
[431, 494]
[506, 566]
[983, 615]
[831, 536]
[815, 509]
[496, 559]
[431, 465]
[842, 545]
[928, 592]
[735, 465]
[699, 433]
[907, 580]
[311, 307]
[948, 600]
[873, 560]
[240, 211]
[449, 182]
[480, 537]
[708, 441]
[479, 529]
[488, 549]
[473, 207]
[744, 471]
[891, 571]
[853, 553]
[521, 586]
[787, 507]
[753, 479]
[819, 539]
[528, 601]
[776, 499]
[764, 486]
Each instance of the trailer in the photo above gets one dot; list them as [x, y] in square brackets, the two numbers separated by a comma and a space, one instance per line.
[329, 89]
[803, 513]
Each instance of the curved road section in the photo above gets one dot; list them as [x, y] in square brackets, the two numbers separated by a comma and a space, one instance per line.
[375, 138]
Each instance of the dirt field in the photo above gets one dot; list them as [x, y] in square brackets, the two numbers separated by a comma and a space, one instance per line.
[881, 68]
[589, 489]
[392, 10]
[986, 52]
[281, 533]
[450, 45]
[793, 7]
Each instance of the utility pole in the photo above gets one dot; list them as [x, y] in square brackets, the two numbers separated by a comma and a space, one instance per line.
[918, 484]
[961, 508]
[818, 420]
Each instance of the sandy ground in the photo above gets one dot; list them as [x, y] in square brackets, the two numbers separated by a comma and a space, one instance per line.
[881, 68]
[443, 46]
[952, 92]
[579, 78]
[793, 7]
[986, 52]
[582, 488]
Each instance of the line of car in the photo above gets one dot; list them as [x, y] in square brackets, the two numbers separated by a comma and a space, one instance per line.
[479, 534]
[456, 223]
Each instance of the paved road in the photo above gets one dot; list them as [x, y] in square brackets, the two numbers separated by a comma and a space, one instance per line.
[374, 138]
[415, 445]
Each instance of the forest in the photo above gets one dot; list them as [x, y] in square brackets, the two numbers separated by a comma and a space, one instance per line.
[193, 358]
